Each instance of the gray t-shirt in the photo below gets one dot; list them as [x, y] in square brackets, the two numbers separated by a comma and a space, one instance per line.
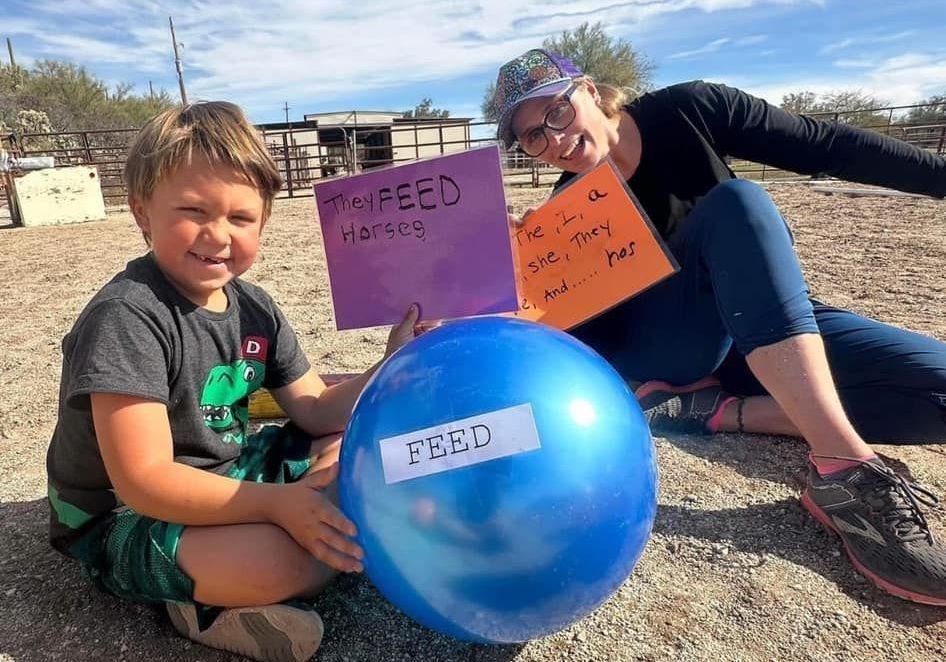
[139, 336]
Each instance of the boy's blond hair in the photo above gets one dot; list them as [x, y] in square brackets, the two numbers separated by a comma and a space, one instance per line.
[216, 130]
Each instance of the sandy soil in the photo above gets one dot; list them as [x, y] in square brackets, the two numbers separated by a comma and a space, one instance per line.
[735, 569]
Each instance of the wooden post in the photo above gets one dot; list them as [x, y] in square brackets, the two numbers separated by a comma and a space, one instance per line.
[10, 186]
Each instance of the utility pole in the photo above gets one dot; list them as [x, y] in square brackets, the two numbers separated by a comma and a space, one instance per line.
[14, 79]
[10, 50]
[287, 109]
[178, 64]
[151, 90]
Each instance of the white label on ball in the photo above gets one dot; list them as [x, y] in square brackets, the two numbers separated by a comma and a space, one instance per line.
[460, 443]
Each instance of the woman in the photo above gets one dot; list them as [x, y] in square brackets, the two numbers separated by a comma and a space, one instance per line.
[740, 304]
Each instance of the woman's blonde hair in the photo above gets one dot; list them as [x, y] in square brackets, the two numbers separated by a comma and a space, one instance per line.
[216, 130]
[613, 99]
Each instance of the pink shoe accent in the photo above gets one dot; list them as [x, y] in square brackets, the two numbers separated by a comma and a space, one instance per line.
[654, 386]
[827, 467]
[881, 583]
[712, 425]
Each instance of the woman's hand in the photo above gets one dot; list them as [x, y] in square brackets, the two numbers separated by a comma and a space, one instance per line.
[517, 221]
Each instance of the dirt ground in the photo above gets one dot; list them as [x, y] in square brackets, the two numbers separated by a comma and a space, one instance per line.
[735, 569]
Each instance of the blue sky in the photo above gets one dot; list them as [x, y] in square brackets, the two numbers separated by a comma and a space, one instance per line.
[324, 55]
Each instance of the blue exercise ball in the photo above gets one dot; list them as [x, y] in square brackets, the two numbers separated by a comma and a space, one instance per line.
[502, 479]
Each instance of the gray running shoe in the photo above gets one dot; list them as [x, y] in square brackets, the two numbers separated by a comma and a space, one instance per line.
[877, 515]
[682, 409]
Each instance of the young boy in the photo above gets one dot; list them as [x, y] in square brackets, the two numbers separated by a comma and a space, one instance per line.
[154, 484]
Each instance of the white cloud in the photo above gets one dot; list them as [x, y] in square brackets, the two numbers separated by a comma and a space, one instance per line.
[717, 44]
[13, 26]
[866, 40]
[711, 47]
[854, 63]
[92, 52]
[751, 40]
[324, 49]
[838, 45]
[901, 80]
[95, 7]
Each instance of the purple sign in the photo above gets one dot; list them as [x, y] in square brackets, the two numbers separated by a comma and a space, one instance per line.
[432, 232]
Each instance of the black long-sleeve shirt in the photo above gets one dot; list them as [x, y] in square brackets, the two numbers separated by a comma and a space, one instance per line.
[687, 131]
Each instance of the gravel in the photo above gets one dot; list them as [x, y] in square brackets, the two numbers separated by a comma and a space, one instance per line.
[735, 570]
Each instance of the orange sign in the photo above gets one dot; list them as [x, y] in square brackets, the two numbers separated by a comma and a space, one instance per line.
[586, 250]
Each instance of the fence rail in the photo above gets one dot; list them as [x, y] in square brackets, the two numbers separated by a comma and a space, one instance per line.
[926, 135]
[302, 157]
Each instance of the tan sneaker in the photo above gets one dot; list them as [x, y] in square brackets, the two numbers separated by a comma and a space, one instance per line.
[274, 633]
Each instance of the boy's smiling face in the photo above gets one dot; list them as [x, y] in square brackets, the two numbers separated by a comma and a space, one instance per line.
[204, 224]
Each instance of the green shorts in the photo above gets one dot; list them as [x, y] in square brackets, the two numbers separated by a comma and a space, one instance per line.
[135, 557]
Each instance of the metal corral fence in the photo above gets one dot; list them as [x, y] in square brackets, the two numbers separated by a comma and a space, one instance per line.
[925, 135]
[307, 150]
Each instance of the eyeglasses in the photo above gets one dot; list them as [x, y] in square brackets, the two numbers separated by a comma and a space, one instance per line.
[559, 117]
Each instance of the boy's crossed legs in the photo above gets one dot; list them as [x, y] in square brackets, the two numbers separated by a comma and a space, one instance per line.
[241, 565]
[249, 570]
[223, 585]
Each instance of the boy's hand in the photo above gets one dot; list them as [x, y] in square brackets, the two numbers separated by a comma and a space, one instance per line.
[405, 330]
[517, 221]
[306, 514]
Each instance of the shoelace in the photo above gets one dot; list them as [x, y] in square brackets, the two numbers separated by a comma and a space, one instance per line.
[899, 500]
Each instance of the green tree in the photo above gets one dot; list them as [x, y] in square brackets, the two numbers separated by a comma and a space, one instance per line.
[933, 112]
[799, 102]
[606, 59]
[425, 110]
[854, 107]
[73, 99]
[487, 106]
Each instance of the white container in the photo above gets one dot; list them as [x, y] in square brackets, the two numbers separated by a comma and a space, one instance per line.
[54, 196]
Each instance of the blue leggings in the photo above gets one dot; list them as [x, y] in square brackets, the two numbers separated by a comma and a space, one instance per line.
[740, 287]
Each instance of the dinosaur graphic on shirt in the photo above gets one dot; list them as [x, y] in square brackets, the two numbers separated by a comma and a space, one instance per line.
[224, 399]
